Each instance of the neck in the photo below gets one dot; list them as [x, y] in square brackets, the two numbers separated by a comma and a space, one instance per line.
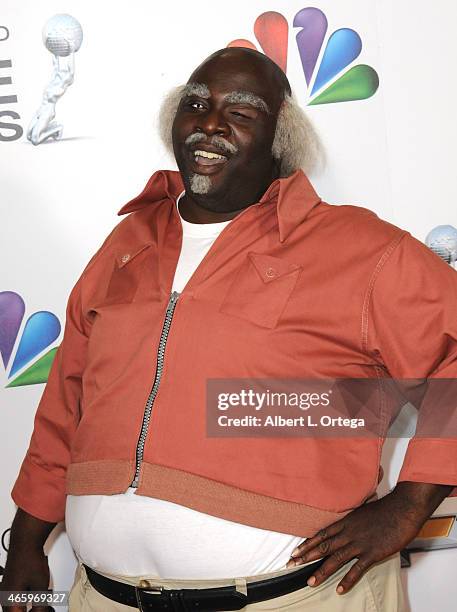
[194, 211]
[208, 208]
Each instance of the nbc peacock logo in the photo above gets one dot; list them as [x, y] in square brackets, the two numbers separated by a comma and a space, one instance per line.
[23, 345]
[326, 61]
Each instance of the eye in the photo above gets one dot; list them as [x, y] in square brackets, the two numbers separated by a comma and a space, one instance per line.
[195, 105]
[244, 114]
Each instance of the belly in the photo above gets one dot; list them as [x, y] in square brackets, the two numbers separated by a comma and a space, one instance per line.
[134, 535]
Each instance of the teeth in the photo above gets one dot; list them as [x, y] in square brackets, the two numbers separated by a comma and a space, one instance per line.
[208, 155]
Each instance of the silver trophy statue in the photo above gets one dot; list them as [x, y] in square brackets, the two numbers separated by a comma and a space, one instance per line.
[442, 240]
[62, 36]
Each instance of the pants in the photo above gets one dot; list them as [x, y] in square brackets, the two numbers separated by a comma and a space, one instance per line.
[379, 590]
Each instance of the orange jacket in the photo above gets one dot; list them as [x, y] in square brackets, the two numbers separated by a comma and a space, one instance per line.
[292, 288]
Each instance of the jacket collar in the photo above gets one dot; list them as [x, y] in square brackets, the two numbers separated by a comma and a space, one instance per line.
[294, 197]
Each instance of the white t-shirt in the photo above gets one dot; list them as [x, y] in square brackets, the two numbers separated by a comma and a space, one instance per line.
[134, 535]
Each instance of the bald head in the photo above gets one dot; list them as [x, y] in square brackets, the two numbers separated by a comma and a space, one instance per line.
[259, 60]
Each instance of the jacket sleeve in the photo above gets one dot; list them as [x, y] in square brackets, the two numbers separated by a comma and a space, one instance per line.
[40, 486]
[412, 330]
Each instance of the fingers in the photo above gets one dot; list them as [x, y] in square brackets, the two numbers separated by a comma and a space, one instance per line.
[322, 544]
[24, 608]
[340, 557]
[354, 575]
[339, 547]
[331, 565]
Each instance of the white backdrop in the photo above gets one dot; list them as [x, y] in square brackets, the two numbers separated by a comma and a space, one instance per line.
[390, 153]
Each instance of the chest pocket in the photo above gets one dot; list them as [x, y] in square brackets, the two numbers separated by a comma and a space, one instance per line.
[125, 277]
[260, 290]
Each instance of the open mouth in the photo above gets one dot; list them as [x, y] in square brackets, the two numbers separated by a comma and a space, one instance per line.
[208, 158]
[206, 162]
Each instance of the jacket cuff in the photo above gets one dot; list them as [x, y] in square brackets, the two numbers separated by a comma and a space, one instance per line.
[39, 492]
[431, 460]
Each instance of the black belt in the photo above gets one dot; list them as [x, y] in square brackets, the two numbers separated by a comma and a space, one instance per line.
[201, 600]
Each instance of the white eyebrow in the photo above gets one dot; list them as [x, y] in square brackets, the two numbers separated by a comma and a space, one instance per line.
[247, 97]
[234, 97]
[196, 89]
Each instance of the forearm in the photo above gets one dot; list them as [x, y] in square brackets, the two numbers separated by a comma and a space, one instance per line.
[28, 532]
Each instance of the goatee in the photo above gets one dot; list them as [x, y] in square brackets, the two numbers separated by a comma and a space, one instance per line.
[200, 183]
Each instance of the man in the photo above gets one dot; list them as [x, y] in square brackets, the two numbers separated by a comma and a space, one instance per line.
[219, 272]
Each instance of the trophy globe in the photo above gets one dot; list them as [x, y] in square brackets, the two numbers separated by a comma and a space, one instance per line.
[442, 240]
[62, 34]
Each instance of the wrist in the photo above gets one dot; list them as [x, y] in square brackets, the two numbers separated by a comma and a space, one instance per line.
[420, 497]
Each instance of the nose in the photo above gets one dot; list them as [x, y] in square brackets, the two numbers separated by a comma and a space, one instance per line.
[212, 122]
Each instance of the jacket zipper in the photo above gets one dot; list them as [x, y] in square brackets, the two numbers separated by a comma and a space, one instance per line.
[155, 387]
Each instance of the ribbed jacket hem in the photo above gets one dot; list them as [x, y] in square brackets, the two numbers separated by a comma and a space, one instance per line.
[201, 494]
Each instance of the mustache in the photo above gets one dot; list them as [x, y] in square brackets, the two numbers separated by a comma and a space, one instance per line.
[215, 141]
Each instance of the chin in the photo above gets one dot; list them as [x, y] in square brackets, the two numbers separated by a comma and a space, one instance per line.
[200, 184]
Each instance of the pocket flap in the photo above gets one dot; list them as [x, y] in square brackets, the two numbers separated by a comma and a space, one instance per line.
[270, 268]
[253, 296]
[126, 256]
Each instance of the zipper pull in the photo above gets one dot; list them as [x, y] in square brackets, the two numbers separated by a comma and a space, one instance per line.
[173, 299]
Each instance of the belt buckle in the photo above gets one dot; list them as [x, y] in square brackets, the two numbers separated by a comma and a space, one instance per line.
[177, 600]
[149, 591]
